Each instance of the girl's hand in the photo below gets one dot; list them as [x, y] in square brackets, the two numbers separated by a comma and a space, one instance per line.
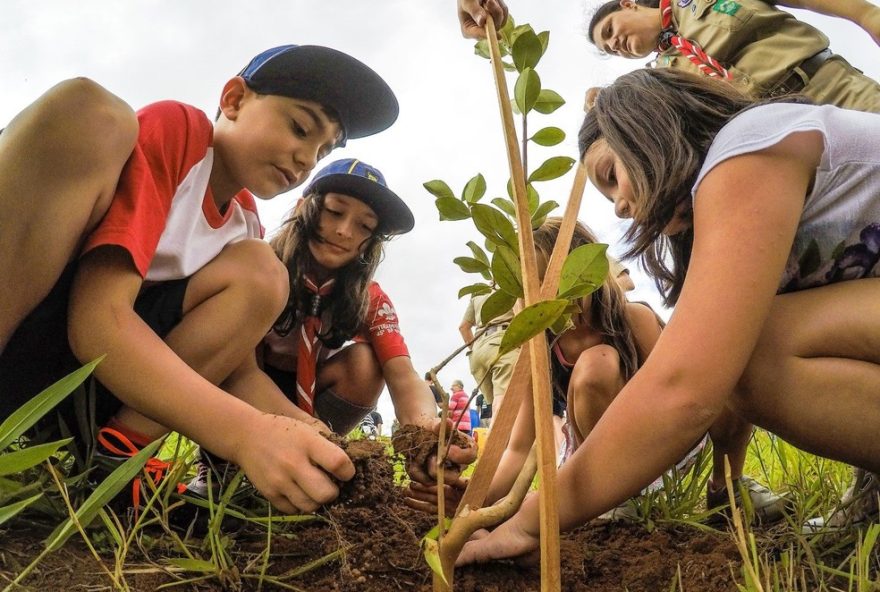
[508, 541]
[291, 463]
[457, 457]
[424, 497]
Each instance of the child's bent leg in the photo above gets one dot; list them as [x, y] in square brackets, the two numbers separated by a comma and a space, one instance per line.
[814, 376]
[595, 382]
[348, 387]
[60, 160]
[730, 436]
[228, 307]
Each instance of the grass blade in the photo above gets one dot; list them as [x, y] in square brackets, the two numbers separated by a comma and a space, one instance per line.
[105, 492]
[30, 413]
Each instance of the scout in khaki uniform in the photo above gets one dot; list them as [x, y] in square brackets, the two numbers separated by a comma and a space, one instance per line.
[729, 39]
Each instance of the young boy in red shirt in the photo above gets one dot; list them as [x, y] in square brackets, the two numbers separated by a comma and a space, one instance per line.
[139, 234]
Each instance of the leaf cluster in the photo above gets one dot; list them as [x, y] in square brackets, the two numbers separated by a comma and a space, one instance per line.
[497, 261]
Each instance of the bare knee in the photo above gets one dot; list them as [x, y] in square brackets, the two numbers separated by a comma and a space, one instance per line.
[597, 372]
[100, 119]
[595, 382]
[354, 374]
[255, 267]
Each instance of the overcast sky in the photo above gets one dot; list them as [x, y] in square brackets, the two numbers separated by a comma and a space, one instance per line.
[449, 126]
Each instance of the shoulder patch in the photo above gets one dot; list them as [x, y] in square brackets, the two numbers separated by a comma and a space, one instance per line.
[728, 7]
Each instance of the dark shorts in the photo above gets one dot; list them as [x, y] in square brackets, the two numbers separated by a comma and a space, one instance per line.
[39, 352]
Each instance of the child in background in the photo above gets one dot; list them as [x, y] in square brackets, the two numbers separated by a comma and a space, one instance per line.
[331, 245]
[146, 228]
[759, 222]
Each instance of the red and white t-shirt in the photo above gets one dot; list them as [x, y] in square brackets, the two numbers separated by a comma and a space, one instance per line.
[381, 331]
[163, 212]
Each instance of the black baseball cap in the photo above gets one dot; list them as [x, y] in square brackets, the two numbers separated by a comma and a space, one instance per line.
[357, 179]
[363, 100]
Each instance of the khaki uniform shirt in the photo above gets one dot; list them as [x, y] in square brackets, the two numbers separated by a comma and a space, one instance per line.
[761, 45]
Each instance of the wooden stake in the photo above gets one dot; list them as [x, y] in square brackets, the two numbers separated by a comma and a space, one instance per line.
[520, 381]
[538, 354]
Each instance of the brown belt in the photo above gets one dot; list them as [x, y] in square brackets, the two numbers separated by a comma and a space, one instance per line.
[801, 74]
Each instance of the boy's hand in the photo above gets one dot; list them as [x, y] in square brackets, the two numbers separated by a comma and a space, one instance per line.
[291, 463]
[472, 15]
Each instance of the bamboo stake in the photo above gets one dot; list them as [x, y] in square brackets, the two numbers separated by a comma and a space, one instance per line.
[520, 381]
[540, 365]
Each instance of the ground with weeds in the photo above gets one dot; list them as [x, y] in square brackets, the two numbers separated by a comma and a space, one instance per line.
[369, 541]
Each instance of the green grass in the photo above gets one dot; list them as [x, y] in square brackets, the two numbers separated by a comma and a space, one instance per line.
[43, 484]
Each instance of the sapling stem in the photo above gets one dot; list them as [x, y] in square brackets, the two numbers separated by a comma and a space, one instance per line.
[538, 354]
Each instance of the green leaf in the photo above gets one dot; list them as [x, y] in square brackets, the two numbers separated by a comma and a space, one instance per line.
[541, 213]
[549, 136]
[451, 208]
[470, 265]
[529, 322]
[526, 90]
[548, 101]
[496, 305]
[494, 225]
[562, 324]
[506, 271]
[514, 33]
[474, 290]
[474, 190]
[434, 533]
[186, 564]
[479, 253]
[438, 188]
[490, 245]
[585, 268]
[119, 479]
[527, 50]
[31, 456]
[30, 413]
[481, 48]
[532, 198]
[9, 512]
[552, 168]
[431, 549]
[505, 206]
[544, 38]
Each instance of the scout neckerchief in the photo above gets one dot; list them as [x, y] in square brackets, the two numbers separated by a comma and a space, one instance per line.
[689, 49]
[309, 346]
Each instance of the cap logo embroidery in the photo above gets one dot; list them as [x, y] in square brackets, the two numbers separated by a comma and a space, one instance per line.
[372, 177]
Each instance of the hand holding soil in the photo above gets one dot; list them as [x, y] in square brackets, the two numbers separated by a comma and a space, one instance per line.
[292, 464]
[419, 449]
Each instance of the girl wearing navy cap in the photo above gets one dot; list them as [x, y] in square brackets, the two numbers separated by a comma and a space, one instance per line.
[331, 245]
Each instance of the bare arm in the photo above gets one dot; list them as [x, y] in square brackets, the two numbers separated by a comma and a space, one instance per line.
[864, 13]
[522, 435]
[414, 404]
[466, 329]
[145, 374]
[646, 328]
[702, 353]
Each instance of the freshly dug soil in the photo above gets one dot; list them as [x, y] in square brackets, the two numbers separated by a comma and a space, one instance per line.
[381, 535]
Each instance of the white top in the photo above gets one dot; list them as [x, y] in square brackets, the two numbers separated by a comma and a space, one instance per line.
[838, 237]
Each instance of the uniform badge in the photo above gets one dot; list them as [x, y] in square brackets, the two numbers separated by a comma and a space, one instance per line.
[728, 7]
[684, 3]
